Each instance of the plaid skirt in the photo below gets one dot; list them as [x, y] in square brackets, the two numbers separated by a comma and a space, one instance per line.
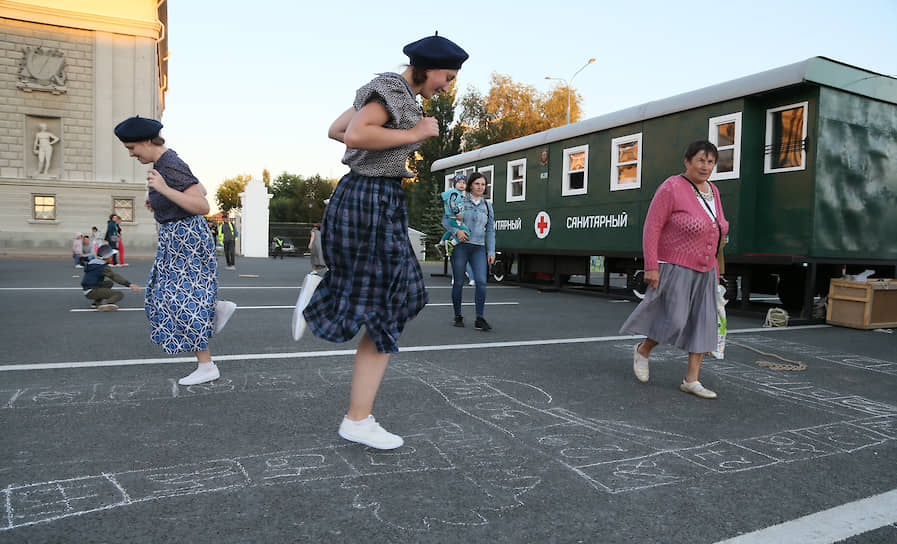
[681, 312]
[373, 278]
[182, 287]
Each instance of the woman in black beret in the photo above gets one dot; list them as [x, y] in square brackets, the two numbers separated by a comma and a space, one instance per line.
[182, 289]
[374, 279]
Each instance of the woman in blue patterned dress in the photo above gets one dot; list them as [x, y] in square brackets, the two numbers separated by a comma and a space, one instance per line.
[182, 289]
[374, 279]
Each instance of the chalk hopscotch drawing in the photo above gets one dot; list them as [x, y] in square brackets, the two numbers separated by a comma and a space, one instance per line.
[494, 445]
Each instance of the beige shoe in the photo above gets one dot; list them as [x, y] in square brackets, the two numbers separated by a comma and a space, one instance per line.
[695, 388]
[640, 365]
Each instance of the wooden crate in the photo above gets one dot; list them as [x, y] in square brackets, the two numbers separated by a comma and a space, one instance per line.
[870, 304]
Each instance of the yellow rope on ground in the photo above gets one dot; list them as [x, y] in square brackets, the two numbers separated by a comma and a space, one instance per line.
[795, 366]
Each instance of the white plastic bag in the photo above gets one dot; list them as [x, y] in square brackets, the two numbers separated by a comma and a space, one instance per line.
[308, 288]
[720, 350]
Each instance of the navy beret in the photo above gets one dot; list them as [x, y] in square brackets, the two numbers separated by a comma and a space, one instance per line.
[137, 129]
[435, 52]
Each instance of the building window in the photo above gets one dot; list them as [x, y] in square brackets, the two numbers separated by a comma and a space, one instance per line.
[516, 181]
[124, 208]
[44, 207]
[487, 173]
[725, 134]
[466, 171]
[576, 178]
[626, 159]
[786, 138]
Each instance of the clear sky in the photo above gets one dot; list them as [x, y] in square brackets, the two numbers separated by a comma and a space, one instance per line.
[256, 84]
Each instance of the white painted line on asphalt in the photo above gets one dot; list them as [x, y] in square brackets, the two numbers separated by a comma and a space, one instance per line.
[290, 307]
[220, 287]
[828, 526]
[331, 353]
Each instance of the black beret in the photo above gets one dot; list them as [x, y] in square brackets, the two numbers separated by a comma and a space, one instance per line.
[137, 129]
[435, 52]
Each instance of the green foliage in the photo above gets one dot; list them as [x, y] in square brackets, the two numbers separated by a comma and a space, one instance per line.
[227, 196]
[298, 199]
[513, 110]
[422, 192]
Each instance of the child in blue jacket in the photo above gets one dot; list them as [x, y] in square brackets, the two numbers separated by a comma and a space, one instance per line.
[453, 199]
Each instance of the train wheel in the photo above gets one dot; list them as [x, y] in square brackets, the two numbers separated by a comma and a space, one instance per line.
[635, 281]
[791, 290]
[498, 271]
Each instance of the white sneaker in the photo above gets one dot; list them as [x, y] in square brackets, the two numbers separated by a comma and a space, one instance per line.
[640, 365]
[695, 388]
[369, 433]
[107, 308]
[201, 375]
[471, 282]
[223, 310]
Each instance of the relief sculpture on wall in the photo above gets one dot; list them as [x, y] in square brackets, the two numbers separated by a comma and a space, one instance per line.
[42, 70]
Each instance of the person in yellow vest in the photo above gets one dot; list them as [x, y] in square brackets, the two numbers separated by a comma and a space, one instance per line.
[228, 235]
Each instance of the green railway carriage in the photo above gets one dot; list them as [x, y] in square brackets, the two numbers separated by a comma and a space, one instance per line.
[807, 173]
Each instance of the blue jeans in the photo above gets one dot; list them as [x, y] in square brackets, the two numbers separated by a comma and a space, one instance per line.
[469, 254]
[469, 271]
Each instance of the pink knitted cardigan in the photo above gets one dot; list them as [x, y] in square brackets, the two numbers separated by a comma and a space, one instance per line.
[678, 229]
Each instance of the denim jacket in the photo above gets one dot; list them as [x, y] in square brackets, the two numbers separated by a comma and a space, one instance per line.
[480, 219]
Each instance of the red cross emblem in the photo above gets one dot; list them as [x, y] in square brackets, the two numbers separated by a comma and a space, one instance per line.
[542, 225]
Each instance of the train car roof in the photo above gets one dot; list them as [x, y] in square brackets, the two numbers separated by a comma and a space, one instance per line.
[816, 70]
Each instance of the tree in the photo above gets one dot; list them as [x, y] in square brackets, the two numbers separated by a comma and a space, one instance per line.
[298, 199]
[512, 110]
[228, 192]
[266, 177]
[422, 191]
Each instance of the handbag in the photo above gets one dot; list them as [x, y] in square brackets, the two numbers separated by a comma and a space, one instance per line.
[309, 284]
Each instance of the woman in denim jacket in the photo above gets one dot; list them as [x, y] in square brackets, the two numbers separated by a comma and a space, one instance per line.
[478, 249]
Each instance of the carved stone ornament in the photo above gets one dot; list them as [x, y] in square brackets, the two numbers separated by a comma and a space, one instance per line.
[42, 70]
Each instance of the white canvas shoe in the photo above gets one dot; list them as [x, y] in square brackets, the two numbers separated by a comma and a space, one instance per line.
[202, 374]
[223, 310]
[107, 308]
[640, 365]
[369, 433]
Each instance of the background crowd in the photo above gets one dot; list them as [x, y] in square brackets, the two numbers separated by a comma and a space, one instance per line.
[85, 245]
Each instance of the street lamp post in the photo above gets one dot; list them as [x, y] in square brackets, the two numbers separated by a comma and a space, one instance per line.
[570, 84]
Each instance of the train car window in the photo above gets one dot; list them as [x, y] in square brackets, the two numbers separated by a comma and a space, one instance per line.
[576, 176]
[786, 138]
[725, 133]
[448, 181]
[626, 161]
[516, 189]
[487, 172]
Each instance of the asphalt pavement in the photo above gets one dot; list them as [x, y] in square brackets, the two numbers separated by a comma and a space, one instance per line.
[536, 431]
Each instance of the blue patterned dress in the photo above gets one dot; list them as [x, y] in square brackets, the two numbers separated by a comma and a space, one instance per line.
[374, 279]
[182, 287]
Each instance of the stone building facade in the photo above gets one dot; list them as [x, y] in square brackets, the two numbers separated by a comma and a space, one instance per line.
[71, 70]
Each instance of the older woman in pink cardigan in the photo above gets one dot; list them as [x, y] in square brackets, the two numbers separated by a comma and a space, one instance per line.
[683, 231]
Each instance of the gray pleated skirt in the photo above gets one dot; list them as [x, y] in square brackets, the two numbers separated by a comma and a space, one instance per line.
[681, 312]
